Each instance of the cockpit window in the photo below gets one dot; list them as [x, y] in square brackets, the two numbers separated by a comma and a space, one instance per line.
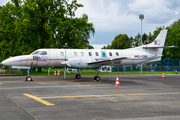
[35, 53]
[43, 53]
[39, 53]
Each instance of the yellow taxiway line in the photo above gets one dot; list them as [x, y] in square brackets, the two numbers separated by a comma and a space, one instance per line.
[111, 95]
[39, 99]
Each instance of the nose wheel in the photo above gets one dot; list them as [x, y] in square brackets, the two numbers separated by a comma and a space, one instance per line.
[28, 78]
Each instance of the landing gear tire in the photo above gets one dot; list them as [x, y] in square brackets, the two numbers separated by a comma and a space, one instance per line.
[97, 78]
[28, 78]
[78, 76]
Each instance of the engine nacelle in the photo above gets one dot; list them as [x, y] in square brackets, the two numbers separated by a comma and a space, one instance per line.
[81, 62]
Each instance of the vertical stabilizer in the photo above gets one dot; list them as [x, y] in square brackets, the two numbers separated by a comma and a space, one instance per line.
[160, 40]
[157, 46]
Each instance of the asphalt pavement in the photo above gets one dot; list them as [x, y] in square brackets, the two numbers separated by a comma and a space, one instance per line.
[139, 97]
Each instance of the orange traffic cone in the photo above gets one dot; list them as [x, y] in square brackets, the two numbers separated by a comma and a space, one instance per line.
[163, 75]
[55, 73]
[58, 73]
[117, 82]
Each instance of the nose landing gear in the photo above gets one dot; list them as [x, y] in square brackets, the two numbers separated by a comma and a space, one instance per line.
[28, 78]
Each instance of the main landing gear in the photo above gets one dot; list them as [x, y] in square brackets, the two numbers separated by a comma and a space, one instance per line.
[96, 78]
[78, 76]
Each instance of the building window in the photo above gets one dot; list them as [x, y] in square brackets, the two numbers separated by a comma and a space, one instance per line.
[110, 54]
[97, 54]
[75, 53]
[62, 54]
[90, 54]
[82, 54]
[117, 53]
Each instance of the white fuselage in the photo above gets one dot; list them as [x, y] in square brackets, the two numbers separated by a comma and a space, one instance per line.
[79, 58]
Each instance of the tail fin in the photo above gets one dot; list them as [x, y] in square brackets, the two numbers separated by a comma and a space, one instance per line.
[157, 46]
[160, 40]
[158, 43]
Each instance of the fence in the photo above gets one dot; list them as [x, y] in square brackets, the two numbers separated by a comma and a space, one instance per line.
[165, 65]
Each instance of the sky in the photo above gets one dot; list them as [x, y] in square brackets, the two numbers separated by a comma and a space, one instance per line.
[114, 17]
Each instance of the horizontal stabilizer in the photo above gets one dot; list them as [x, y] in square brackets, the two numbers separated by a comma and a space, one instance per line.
[155, 47]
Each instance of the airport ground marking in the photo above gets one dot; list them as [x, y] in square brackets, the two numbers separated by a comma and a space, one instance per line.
[112, 95]
[38, 99]
[10, 81]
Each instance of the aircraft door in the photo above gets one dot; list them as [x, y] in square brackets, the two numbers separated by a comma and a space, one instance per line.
[52, 57]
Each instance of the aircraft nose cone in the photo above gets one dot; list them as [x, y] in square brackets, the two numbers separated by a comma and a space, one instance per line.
[12, 61]
[6, 62]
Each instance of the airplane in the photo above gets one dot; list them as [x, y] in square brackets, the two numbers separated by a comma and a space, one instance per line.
[91, 58]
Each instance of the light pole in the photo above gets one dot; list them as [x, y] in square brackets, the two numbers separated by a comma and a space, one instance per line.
[141, 17]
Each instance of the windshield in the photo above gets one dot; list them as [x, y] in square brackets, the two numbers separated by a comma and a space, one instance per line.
[35, 53]
[39, 53]
[42, 53]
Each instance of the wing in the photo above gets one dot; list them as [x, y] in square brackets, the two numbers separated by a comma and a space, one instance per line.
[107, 62]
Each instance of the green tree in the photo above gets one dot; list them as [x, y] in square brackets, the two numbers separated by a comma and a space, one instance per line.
[36, 24]
[137, 40]
[145, 38]
[150, 38]
[7, 31]
[173, 38]
[106, 47]
[121, 41]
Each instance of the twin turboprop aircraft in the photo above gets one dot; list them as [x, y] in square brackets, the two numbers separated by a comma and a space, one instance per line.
[91, 58]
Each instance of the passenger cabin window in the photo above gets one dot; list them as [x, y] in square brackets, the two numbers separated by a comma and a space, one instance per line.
[82, 54]
[110, 54]
[117, 53]
[90, 54]
[75, 53]
[97, 54]
[62, 54]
